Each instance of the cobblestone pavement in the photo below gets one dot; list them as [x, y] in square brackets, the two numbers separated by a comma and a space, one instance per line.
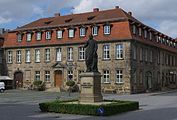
[23, 105]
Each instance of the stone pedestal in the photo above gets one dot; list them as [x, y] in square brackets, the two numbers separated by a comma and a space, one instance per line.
[90, 87]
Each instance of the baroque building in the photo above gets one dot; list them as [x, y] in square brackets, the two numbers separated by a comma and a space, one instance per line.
[132, 57]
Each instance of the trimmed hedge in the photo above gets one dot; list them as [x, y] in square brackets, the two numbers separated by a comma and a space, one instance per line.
[112, 108]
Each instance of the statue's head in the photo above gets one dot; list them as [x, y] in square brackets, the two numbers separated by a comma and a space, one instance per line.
[90, 36]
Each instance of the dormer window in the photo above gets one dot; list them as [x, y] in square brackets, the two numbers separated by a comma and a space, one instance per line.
[150, 35]
[157, 38]
[140, 31]
[28, 37]
[134, 29]
[59, 34]
[71, 33]
[48, 35]
[107, 29]
[19, 37]
[38, 36]
[82, 31]
[95, 30]
[145, 34]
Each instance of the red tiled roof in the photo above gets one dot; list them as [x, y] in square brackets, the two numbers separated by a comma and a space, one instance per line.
[83, 18]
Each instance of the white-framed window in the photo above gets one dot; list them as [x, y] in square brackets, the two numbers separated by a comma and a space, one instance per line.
[28, 37]
[28, 56]
[58, 54]
[19, 55]
[134, 29]
[140, 31]
[107, 29]
[134, 52]
[95, 30]
[38, 36]
[157, 38]
[106, 76]
[150, 35]
[141, 77]
[82, 31]
[37, 75]
[47, 75]
[119, 51]
[70, 75]
[37, 55]
[71, 33]
[47, 55]
[70, 54]
[146, 54]
[151, 56]
[81, 53]
[9, 57]
[119, 76]
[145, 33]
[141, 54]
[106, 52]
[59, 34]
[48, 35]
[19, 37]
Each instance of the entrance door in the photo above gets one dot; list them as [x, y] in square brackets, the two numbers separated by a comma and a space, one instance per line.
[58, 78]
[18, 80]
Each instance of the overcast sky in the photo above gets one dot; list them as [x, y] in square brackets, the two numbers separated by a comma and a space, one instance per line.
[159, 14]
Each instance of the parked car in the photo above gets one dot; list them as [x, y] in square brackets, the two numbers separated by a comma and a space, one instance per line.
[2, 87]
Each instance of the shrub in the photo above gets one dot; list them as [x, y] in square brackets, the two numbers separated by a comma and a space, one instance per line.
[39, 85]
[70, 83]
[114, 107]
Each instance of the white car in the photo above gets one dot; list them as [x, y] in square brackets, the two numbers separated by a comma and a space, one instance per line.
[2, 86]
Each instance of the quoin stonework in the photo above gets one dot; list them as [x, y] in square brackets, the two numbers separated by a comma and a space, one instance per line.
[132, 57]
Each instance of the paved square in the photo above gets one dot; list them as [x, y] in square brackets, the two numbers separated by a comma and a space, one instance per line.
[23, 105]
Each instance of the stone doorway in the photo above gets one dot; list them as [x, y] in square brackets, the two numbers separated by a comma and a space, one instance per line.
[58, 78]
[18, 79]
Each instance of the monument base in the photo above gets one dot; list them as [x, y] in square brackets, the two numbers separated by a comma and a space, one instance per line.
[90, 87]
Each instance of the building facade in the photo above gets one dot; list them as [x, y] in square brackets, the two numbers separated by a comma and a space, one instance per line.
[132, 57]
[1, 54]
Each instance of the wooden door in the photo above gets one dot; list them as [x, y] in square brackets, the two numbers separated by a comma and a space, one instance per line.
[18, 80]
[58, 78]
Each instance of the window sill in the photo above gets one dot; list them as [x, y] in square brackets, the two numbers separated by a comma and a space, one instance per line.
[106, 59]
[119, 83]
[81, 60]
[106, 83]
[119, 59]
[27, 62]
[37, 62]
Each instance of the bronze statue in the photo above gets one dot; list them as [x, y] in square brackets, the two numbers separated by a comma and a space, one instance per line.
[91, 57]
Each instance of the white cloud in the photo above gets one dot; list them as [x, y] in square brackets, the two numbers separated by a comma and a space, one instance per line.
[38, 10]
[4, 20]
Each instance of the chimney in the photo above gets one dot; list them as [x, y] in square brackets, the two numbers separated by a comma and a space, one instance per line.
[57, 14]
[130, 13]
[95, 9]
[116, 7]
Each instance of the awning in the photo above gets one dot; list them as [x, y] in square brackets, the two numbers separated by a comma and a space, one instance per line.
[5, 78]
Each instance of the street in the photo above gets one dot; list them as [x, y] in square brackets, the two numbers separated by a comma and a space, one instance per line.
[23, 105]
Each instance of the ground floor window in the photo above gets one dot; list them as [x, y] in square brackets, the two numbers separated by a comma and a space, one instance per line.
[119, 76]
[47, 75]
[106, 76]
[37, 75]
[70, 75]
